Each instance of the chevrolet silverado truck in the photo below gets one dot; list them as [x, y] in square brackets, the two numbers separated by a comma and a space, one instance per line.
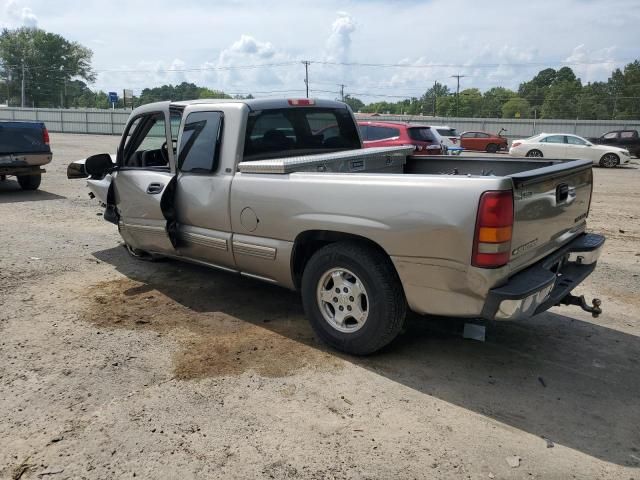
[264, 188]
[24, 149]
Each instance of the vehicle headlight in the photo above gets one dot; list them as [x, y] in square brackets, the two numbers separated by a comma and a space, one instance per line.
[626, 153]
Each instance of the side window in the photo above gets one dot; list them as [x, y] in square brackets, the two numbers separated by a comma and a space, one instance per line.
[382, 133]
[482, 135]
[553, 139]
[364, 132]
[629, 134]
[575, 141]
[146, 143]
[200, 141]
[610, 136]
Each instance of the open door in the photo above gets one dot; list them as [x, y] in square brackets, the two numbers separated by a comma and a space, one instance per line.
[146, 168]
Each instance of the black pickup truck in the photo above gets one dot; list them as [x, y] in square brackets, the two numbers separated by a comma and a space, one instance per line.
[24, 149]
[627, 139]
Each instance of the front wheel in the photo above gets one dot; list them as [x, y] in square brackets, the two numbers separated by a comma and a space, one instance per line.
[353, 297]
[609, 160]
[534, 153]
[29, 182]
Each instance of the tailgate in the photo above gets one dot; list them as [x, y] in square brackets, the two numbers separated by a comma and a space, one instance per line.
[550, 208]
[22, 137]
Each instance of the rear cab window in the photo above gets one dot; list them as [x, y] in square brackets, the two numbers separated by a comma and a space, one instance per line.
[288, 132]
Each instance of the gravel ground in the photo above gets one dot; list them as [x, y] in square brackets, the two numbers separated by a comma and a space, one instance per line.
[114, 368]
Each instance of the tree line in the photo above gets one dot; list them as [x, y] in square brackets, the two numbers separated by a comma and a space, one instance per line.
[58, 73]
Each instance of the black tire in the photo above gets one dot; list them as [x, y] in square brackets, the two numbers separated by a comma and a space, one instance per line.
[29, 182]
[609, 160]
[534, 153]
[492, 148]
[386, 304]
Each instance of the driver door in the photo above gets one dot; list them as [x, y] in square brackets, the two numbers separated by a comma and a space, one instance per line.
[146, 166]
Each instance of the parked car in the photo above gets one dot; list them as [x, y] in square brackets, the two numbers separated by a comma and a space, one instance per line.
[567, 146]
[627, 139]
[448, 135]
[424, 139]
[24, 149]
[362, 234]
[483, 141]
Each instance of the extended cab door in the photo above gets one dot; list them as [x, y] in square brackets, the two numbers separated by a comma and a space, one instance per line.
[145, 168]
[202, 188]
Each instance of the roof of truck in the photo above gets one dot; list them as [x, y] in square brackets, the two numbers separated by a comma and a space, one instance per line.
[261, 103]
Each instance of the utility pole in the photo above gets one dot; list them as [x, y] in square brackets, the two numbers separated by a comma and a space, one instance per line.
[306, 64]
[341, 85]
[458, 77]
[22, 98]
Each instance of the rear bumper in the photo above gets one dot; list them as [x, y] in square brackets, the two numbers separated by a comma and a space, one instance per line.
[545, 283]
[18, 164]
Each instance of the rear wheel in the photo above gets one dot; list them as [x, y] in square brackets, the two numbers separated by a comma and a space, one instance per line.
[353, 298]
[492, 148]
[609, 160]
[534, 153]
[29, 182]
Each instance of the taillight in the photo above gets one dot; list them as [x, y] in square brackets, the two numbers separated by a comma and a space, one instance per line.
[494, 228]
[516, 144]
[298, 102]
[45, 136]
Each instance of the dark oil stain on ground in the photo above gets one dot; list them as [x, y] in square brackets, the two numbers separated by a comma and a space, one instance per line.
[212, 343]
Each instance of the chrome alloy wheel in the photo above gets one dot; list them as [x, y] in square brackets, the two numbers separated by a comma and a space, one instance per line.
[610, 160]
[342, 300]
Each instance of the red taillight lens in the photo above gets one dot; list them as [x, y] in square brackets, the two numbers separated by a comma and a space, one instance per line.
[494, 229]
[299, 102]
[516, 144]
[45, 136]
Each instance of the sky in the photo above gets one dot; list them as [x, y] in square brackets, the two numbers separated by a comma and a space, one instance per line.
[407, 44]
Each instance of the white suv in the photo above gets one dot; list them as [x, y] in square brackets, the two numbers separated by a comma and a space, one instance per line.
[448, 135]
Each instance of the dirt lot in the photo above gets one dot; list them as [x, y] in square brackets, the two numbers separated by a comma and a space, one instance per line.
[113, 368]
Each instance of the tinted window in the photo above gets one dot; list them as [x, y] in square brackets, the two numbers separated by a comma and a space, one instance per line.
[629, 134]
[482, 135]
[468, 135]
[575, 141]
[199, 142]
[382, 133]
[553, 139]
[448, 132]
[421, 134]
[289, 132]
[364, 131]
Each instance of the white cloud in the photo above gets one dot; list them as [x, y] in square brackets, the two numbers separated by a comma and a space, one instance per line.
[19, 15]
[592, 65]
[339, 42]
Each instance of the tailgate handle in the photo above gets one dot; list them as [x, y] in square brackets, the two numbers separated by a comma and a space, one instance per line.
[562, 193]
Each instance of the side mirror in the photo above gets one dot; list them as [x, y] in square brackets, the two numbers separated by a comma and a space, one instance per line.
[98, 165]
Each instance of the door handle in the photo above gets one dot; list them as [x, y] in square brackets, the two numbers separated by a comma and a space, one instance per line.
[154, 188]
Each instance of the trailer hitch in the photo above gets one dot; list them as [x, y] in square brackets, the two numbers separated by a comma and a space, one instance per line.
[581, 302]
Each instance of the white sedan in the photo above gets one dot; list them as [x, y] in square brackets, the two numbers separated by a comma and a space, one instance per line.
[567, 146]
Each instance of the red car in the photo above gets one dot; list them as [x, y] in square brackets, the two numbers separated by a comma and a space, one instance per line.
[394, 134]
[483, 141]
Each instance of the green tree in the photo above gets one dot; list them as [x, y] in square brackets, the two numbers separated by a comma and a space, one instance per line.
[493, 100]
[50, 63]
[535, 90]
[561, 100]
[516, 107]
[355, 103]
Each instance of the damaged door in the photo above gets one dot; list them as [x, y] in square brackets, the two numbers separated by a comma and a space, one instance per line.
[146, 168]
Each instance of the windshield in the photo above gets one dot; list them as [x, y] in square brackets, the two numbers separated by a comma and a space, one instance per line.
[421, 134]
[288, 132]
[448, 132]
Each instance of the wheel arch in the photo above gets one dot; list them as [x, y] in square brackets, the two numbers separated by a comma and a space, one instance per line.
[310, 241]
